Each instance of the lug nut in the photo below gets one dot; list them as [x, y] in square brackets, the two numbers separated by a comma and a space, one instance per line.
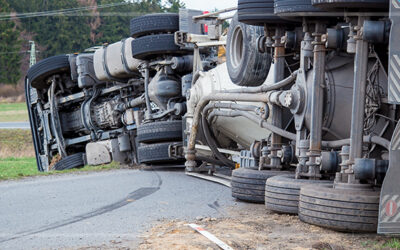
[288, 99]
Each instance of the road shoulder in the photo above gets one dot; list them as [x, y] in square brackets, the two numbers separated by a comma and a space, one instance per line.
[256, 228]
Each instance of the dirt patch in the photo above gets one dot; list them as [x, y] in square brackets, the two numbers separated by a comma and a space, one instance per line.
[256, 228]
[54, 161]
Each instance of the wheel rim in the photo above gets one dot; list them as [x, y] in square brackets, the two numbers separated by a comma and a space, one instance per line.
[237, 45]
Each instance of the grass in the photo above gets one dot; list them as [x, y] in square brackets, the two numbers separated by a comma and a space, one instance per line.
[17, 156]
[383, 243]
[15, 168]
[13, 112]
[16, 143]
[392, 244]
[12, 106]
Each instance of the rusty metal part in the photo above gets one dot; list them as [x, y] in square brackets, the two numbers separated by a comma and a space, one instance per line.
[276, 111]
[146, 73]
[303, 146]
[359, 89]
[317, 104]
[344, 154]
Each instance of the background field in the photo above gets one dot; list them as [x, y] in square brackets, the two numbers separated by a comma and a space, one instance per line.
[16, 143]
[13, 112]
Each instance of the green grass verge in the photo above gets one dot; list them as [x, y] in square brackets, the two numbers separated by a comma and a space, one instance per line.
[13, 112]
[12, 106]
[392, 244]
[382, 243]
[16, 168]
[16, 143]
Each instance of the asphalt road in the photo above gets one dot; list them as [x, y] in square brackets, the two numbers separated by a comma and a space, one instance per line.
[97, 209]
[14, 125]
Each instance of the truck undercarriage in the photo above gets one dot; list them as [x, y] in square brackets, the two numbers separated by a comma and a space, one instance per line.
[305, 104]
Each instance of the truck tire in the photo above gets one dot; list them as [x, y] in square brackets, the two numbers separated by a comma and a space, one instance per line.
[246, 65]
[339, 209]
[155, 153]
[160, 131]
[257, 12]
[294, 7]
[249, 185]
[38, 73]
[282, 193]
[154, 23]
[373, 5]
[151, 46]
[70, 162]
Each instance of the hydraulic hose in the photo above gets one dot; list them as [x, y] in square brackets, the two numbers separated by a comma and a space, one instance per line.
[265, 88]
[366, 139]
[213, 145]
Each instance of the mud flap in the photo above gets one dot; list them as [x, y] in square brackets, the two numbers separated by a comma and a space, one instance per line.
[389, 205]
[394, 53]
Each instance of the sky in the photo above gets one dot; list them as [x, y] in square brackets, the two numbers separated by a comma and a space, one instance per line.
[210, 4]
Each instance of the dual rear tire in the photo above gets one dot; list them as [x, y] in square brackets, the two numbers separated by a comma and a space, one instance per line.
[155, 139]
[318, 203]
[154, 36]
[356, 5]
[315, 201]
[339, 209]
[282, 193]
[249, 184]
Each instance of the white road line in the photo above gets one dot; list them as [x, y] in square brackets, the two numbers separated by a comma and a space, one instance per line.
[210, 236]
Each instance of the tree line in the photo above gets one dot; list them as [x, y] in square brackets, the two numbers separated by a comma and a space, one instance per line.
[69, 32]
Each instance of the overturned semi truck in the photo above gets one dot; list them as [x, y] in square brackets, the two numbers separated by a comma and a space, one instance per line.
[306, 105]
[119, 102]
